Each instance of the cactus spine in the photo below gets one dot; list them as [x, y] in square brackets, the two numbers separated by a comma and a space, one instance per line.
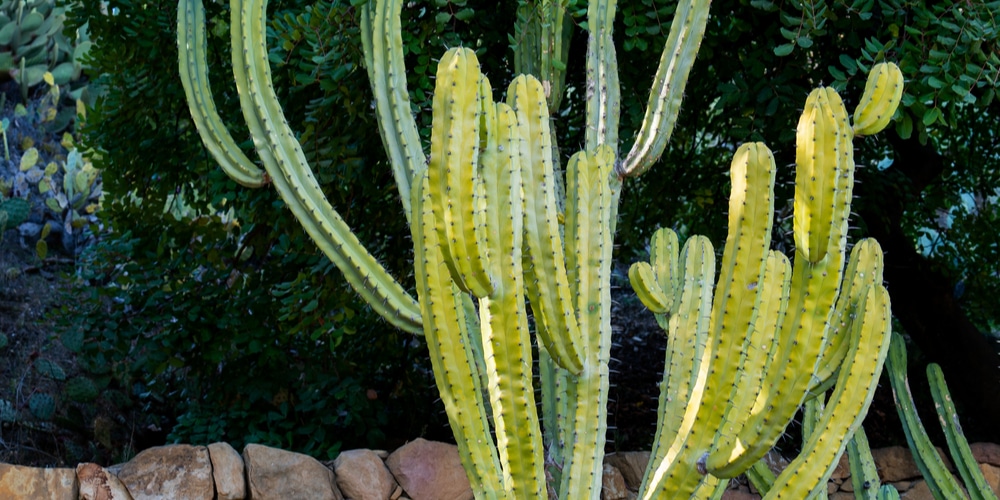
[484, 213]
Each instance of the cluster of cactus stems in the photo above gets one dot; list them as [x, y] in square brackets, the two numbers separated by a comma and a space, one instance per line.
[497, 228]
[939, 479]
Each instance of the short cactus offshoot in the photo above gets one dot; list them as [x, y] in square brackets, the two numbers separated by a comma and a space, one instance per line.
[489, 225]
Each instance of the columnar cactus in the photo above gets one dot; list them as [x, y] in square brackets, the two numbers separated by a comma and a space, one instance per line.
[494, 221]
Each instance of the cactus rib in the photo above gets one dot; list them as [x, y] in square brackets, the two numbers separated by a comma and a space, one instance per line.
[603, 89]
[193, 69]
[864, 475]
[286, 165]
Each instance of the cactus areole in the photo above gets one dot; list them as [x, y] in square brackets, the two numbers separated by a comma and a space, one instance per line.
[494, 221]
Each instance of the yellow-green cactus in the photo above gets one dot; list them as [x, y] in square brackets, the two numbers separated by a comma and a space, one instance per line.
[494, 221]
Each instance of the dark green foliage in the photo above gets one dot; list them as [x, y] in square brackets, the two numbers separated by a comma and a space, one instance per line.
[207, 303]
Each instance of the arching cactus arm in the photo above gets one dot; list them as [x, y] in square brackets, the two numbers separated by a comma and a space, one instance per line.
[848, 405]
[382, 42]
[285, 163]
[679, 52]
[193, 67]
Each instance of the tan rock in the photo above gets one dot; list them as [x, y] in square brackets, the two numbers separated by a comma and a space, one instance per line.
[31, 483]
[430, 470]
[843, 469]
[362, 475]
[178, 471]
[279, 474]
[613, 484]
[841, 495]
[739, 495]
[632, 465]
[96, 483]
[918, 491]
[896, 463]
[986, 453]
[227, 471]
[992, 475]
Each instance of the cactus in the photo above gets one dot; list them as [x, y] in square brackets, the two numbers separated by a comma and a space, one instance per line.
[80, 389]
[13, 212]
[42, 406]
[493, 221]
[864, 475]
[48, 368]
[32, 44]
[939, 480]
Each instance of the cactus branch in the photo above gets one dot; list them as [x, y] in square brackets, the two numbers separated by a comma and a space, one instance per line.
[679, 52]
[285, 163]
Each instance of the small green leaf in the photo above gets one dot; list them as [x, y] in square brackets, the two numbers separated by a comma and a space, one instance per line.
[904, 127]
[442, 17]
[935, 82]
[804, 42]
[465, 14]
[784, 49]
[931, 116]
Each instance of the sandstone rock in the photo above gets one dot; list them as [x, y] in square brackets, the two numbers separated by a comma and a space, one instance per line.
[361, 475]
[227, 471]
[429, 470]
[918, 491]
[96, 483]
[843, 469]
[986, 453]
[739, 495]
[613, 484]
[632, 465]
[179, 471]
[30, 483]
[841, 495]
[896, 463]
[280, 474]
[992, 475]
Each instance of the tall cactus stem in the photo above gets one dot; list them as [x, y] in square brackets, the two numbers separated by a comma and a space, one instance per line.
[546, 280]
[452, 360]
[679, 52]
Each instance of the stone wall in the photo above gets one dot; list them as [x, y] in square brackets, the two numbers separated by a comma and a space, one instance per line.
[420, 470]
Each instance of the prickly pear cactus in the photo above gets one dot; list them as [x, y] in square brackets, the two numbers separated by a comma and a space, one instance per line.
[80, 389]
[42, 406]
[44, 170]
[33, 43]
[13, 212]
